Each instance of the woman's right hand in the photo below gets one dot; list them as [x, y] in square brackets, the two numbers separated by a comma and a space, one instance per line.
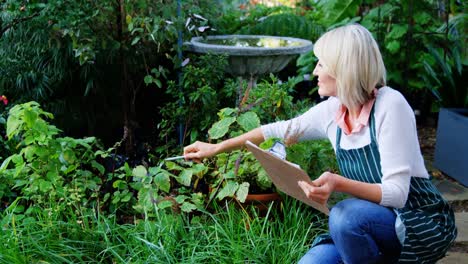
[200, 150]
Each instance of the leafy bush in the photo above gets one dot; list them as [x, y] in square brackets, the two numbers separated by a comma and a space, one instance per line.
[286, 25]
[202, 91]
[423, 55]
[46, 168]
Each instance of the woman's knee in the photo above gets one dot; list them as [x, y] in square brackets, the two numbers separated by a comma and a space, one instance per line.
[349, 214]
[340, 215]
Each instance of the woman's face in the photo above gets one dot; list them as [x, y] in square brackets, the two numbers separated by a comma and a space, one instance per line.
[326, 83]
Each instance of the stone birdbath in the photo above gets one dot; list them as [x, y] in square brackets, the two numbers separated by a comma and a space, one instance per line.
[250, 56]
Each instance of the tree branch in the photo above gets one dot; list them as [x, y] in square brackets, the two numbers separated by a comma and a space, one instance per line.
[16, 22]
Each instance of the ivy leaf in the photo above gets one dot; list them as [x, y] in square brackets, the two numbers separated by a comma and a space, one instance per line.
[248, 121]
[220, 128]
[228, 190]
[243, 191]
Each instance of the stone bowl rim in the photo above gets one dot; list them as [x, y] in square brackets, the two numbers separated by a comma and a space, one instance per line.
[196, 46]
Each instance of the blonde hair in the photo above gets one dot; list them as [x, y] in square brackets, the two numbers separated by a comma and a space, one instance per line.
[351, 56]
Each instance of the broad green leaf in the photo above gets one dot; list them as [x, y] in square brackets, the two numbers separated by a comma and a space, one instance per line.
[68, 156]
[146, 200]
[228, 190]
[135, 41]
[13, 125]
[243, 191]
[52, 176]
[162, 182]
[152, 171]
[198, 199]
[220, 128]
[148, 79]
[398, 31]
[229, 175]
[126, 197]
[185, 177]
[199, 170]
[119, 184]
[158, 83]
[30, 117]
[165, 204]
[188, 207]
[116, 197]
[181, 198]
[29, 152]
[170, 165]
[226, 112]
[5, 164]
[45, 186]
[263, 180]
[393, 46]
[248, 120]
[139, 171]
[98, 166]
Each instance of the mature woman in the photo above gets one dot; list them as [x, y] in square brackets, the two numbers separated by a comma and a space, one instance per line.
[397, 214]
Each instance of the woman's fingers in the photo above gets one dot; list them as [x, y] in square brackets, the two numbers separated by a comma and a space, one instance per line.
[198, 151]
[317, 194]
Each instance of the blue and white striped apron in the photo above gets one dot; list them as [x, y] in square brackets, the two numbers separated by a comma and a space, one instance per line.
[425, 225]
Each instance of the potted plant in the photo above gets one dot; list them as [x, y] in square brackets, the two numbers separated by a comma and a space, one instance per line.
[237, 173]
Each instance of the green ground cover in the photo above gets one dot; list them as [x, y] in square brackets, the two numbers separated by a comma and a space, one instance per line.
[228, 234]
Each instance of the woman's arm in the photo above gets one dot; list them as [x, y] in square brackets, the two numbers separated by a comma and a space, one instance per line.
[200, 150]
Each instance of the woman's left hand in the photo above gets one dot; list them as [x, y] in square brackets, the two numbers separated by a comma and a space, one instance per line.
[320, 189]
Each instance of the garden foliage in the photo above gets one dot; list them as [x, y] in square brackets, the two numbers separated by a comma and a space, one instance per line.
[116, 71]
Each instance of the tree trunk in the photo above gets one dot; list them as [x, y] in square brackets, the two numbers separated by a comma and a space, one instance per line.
[126, 91]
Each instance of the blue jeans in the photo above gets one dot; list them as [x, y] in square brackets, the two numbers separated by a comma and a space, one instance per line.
[362, 232]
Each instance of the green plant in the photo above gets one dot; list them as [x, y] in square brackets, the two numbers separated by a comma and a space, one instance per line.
[47, 168]
[228, 234]
[447, 64]
[157, 191]
[285, 24]
[199, 92]
[314, 156]
[423, 55]
[235, 172]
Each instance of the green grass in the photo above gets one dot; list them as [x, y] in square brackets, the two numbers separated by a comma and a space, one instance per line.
[229, 234]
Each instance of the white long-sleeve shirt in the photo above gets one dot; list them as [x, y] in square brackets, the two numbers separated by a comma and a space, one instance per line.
[397, 140]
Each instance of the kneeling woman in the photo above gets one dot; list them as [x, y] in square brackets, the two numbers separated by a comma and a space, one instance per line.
[397, 214]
